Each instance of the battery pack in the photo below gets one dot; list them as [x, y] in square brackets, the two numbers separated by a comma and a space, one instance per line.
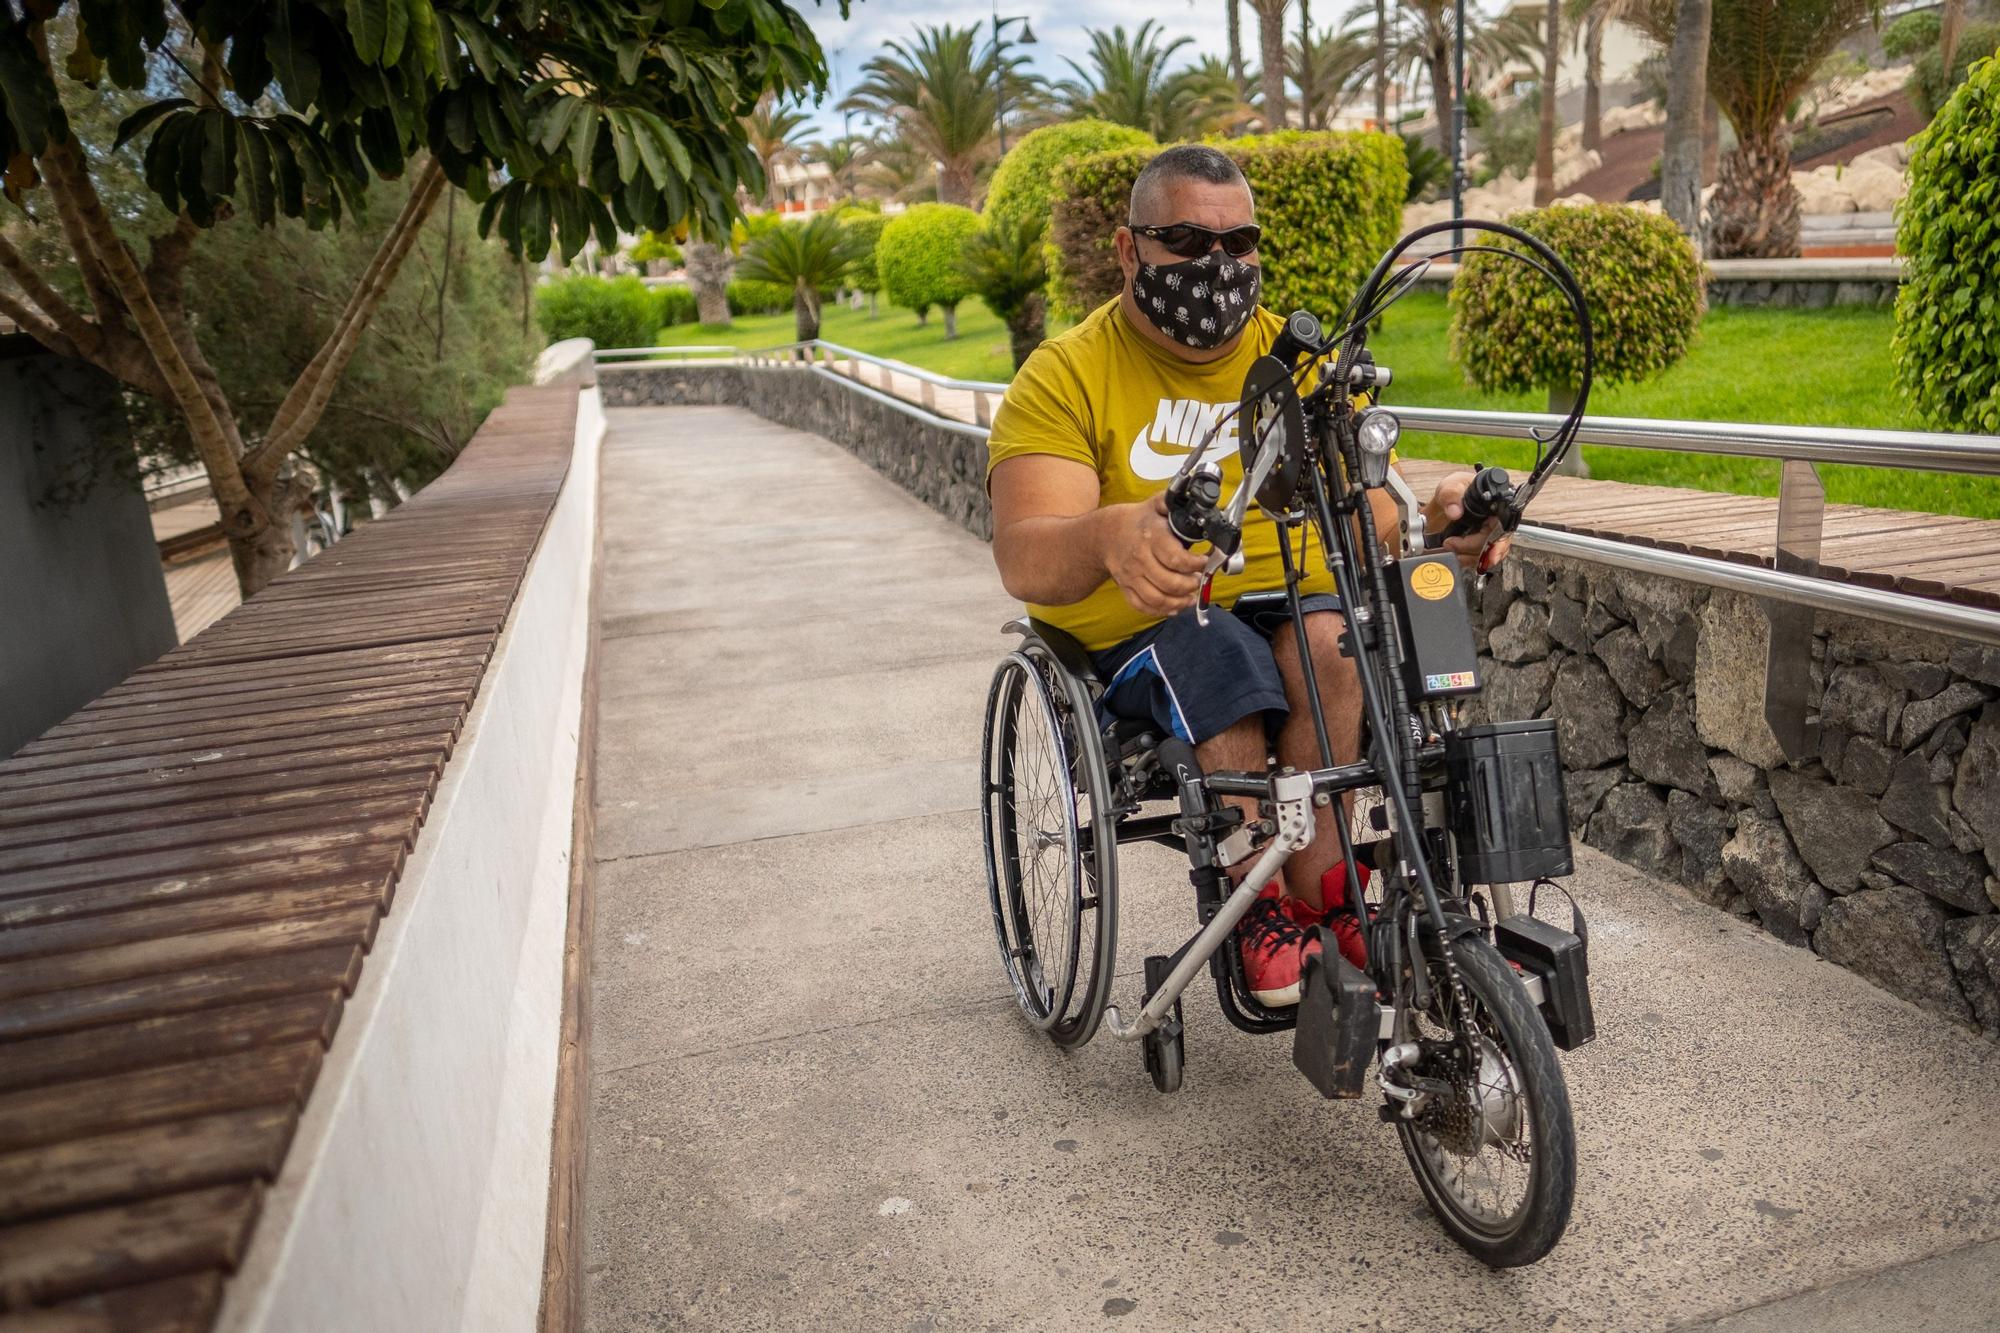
[1504, 794]
[1440, 659]
[1562, 961]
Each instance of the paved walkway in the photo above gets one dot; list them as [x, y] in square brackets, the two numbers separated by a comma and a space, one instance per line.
[815, 1106]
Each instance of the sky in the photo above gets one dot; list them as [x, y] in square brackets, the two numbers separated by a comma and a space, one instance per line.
[1060, 31]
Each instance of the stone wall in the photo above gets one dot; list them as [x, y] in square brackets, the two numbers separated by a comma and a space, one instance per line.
[944, 468]
[1879, 855]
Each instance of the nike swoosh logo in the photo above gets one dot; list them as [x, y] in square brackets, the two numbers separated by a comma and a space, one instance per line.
[1149, 464]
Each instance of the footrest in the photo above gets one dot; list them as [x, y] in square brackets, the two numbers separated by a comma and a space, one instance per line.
[1338, 1025]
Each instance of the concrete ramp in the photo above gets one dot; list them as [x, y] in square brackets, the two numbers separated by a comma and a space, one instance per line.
[816, 1106]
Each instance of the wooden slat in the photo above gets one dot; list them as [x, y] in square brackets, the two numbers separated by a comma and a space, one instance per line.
[264, 1076]
[61, 1257]
[134, 1164]
[192, 868]
[173, 1039]
[181, 1304]
[316, 972]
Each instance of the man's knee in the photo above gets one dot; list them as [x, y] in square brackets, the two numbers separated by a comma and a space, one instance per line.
[1330, 667]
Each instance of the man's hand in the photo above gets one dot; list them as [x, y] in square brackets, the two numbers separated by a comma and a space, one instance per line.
[1444, 508]
[1156, 573]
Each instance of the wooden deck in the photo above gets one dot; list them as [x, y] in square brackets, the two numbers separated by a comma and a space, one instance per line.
[1924, 555]
[191, 872]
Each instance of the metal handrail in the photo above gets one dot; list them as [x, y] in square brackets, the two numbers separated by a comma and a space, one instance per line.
[682, 351]
[1933, 451]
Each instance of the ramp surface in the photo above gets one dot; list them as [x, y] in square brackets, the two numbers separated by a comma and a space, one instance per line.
[815, 1105]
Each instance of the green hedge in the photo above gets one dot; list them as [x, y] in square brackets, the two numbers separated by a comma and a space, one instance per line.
[1947, 342]
[1024, 184]
[919, 256]
[1512, 330]
[1330, 204]
[758, 298]
[676, 306]
[616, 312]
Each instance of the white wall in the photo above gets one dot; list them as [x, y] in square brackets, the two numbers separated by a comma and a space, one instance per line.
[415, 1193]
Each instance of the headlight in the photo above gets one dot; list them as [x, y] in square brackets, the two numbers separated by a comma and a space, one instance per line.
[1377, 432]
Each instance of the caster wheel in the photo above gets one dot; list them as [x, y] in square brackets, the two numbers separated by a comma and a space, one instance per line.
[1166, 1047]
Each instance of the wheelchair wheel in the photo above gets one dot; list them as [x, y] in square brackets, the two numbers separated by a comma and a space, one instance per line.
[1051, 849]
[1497, 1159]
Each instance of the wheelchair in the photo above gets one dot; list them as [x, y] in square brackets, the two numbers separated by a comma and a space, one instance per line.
[1467, 995]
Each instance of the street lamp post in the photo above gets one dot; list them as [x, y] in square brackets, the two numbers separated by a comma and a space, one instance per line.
[1027, 38]
[1458, 124]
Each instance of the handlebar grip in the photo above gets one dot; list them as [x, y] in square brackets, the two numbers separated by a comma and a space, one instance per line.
[1491, 495]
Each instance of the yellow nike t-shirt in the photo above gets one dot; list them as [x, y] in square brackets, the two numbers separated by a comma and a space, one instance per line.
[1103, 395]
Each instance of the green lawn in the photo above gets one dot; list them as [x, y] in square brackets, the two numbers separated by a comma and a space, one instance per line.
[978, 353]
[1780, 367]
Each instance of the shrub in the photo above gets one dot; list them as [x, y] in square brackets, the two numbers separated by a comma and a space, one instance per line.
[1512, 330]
[866, 230]
[1428, 168]
[1513, 135]
[1929, 88]
[654, 247]
[1024, 184]
[1947, 340]
[675, 305]
[1330, 204]
[918, 259]
[1912, 34]
[749, 297]
[611, 312]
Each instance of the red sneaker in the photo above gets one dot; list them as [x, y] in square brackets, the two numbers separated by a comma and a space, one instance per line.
[1343, 925]
[1275, 947]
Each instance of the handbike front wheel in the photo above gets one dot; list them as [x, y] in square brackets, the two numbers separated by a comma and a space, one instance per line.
[1051, 851]
[1497, 1160]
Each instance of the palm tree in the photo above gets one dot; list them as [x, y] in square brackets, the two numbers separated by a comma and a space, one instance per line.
[895, 170]
[808, 257]
[843, 157]
[1271, 59]
[1545, 139]
[1761, 57]
[708, 266]
[1004, 264]
[1325, 70]
[1127, 76]
[1421, 43]
[1236, 48]
[1683, 163]
[1200, 99]
[940, 93]
[777, 134]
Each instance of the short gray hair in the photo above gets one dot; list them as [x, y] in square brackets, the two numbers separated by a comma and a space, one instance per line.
[1182, 162]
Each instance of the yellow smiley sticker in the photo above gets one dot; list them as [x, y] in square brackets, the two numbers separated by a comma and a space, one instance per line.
[1432, 581]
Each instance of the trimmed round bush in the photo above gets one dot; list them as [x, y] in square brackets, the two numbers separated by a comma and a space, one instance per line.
[1947, 340]
[676, 306]
[865, 229]
[920, 253]
[1512, 330]
[1024, 184]
[1329, 203]
[615, 312]
[749, 297]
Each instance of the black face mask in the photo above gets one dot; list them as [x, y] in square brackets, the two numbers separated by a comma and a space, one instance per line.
[1200, 303]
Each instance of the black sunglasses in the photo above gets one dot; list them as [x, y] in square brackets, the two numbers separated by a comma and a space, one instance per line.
[1192, 242]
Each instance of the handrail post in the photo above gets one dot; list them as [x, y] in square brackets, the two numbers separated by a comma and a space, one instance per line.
[1788, 655]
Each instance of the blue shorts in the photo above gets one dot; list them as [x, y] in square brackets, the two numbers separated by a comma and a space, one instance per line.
[1197, 682]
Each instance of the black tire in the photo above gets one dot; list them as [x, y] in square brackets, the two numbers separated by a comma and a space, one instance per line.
[1526, 1076]
[1054, 895]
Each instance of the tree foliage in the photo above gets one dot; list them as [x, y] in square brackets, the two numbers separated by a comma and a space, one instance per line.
[1127, 82]
[1947, 341]
[919, 256]
[1004, 267]
[563, 119]
[1930, 84]
[865, 227]
[1511, 329]
[941, 93]
[808, 257]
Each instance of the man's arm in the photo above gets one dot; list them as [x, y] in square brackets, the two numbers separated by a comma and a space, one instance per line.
[1055, 545]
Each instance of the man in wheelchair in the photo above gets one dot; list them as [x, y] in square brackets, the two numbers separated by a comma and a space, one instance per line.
[1095, 424]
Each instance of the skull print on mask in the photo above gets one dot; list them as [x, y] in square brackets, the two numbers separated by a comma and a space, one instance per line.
[1201, 303]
